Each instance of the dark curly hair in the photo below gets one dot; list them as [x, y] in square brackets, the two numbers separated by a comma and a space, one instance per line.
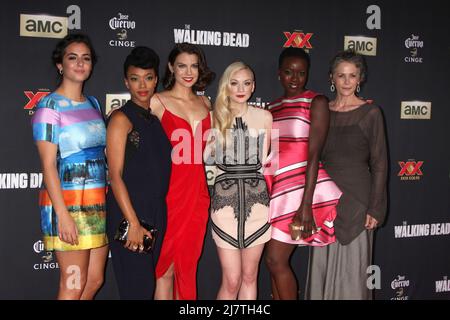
[142, 57]
[205, 76]
[58, 52]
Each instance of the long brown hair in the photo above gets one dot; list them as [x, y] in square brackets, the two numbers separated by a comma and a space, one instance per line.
[205, 75]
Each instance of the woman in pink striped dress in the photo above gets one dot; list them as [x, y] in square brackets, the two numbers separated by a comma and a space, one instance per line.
[301, 192]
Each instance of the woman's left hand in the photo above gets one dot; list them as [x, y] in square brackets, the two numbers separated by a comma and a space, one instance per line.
[371, 222]
[305, 220]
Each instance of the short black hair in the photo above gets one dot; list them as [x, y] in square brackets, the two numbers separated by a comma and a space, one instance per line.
[142, 57]
[205, 75]
[351, 56]
[294, 52]
[58, 52]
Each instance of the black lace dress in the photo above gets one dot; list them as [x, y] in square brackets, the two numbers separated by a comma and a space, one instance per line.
[239, 203]
[146, 173]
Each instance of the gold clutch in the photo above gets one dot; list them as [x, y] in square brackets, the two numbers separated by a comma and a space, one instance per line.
[295, 231]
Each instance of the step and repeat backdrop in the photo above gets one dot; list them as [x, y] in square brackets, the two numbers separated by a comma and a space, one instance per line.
[408, 55]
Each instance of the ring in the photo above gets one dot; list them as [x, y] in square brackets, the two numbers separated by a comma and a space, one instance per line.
[135, 247]
[141, 247]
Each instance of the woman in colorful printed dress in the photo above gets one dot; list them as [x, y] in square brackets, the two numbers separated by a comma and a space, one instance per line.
[303, 198]
[185, 118]
[240, 202]
[70, 135]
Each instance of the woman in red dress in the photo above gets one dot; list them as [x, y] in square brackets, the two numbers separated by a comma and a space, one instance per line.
[185, 118]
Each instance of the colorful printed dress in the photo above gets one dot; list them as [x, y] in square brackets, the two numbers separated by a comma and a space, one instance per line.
[78, 129]
[285, 173]
[240, 202]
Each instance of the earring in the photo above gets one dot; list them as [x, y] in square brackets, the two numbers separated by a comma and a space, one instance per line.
[279, 78]
[358, 88]
[332, 87]
[61, 71]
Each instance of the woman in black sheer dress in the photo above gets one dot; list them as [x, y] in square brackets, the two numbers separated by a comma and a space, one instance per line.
[355, 157]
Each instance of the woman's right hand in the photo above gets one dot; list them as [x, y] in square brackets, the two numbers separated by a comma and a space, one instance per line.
[67, 228]
[135, 237]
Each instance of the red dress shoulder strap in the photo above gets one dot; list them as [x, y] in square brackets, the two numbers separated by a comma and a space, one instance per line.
[162, 103]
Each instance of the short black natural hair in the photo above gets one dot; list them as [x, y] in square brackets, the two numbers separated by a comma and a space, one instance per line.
[142, 57]
[351, 56]
[205, 76]
[294, 52]
[58, 52]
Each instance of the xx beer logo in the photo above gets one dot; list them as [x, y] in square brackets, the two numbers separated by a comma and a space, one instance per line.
[34, 99]
[298, 39]
[410, 170]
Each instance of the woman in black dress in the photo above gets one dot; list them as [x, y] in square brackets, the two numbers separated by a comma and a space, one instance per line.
[355, 157]
[138, 154]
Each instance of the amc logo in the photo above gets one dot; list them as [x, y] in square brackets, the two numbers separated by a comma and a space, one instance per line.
[415, 110]
[363, 45]
[42, 26]
[115, 101]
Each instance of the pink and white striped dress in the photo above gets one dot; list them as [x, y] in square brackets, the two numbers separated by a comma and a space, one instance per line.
[285, 172]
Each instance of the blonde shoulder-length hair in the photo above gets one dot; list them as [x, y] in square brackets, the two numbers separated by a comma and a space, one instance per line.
[222, 116]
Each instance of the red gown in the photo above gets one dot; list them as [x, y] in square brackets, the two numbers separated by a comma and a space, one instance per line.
[187, 203]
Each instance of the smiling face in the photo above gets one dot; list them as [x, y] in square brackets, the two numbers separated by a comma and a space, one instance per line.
[141, 83]
[76, 63]
[241, 86]
[346, 77]
[185, 69]
[293, 75]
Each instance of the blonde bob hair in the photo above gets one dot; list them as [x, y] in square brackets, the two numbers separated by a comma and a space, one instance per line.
[222, 116]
